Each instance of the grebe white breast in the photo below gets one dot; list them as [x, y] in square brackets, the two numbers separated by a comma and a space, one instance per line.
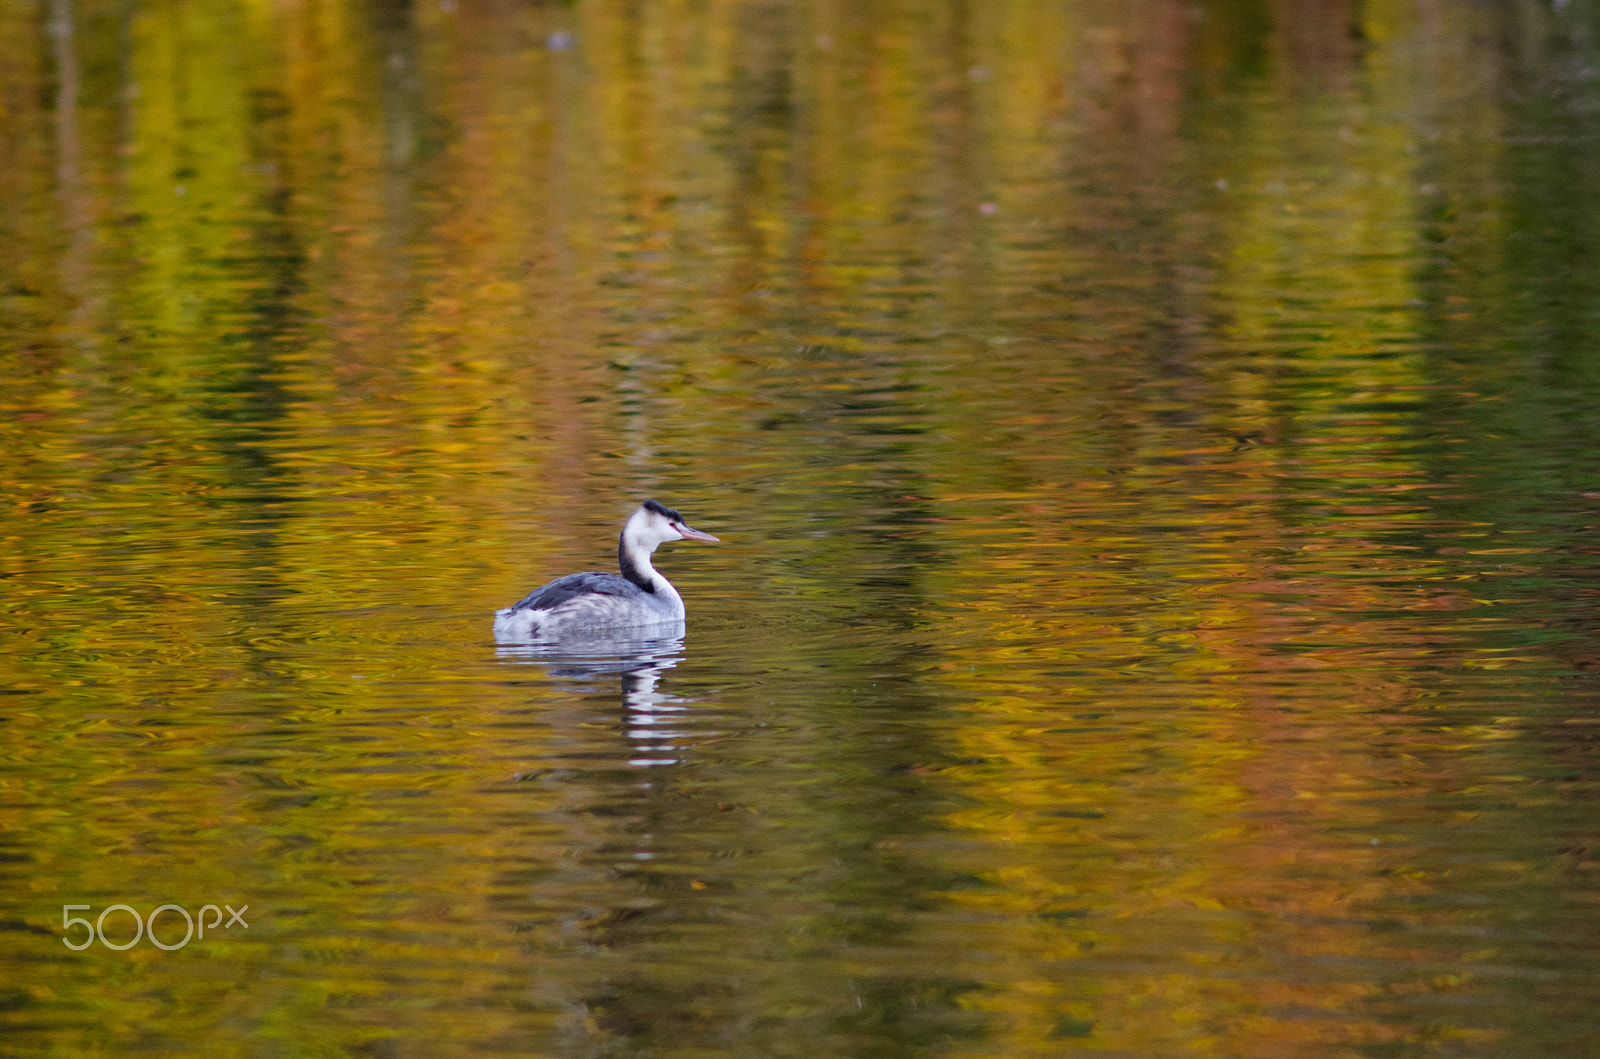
[590, 602]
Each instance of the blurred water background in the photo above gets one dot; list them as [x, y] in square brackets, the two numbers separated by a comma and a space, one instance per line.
[1155, 443]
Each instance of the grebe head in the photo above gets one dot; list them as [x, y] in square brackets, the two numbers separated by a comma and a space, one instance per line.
[653, 523]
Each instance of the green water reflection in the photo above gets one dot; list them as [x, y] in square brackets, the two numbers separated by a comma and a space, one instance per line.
[1154, 446]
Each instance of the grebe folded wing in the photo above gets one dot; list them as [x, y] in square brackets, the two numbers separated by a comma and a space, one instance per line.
[552, 595]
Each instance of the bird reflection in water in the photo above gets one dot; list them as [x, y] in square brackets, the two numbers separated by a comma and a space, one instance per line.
[652, 719]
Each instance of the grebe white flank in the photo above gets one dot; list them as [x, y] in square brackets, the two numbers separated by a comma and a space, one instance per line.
[590, 602]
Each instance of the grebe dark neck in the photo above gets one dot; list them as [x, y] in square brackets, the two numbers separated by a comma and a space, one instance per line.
[638, 570]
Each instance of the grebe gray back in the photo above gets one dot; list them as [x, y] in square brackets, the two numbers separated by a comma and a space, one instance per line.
[591, 602]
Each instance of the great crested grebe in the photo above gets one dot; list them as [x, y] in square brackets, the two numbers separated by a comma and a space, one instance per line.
[589, 603]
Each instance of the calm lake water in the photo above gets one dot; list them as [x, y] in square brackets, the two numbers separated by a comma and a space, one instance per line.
[1156, 451]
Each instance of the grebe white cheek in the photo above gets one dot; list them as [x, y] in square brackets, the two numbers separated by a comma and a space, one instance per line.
[592, 602]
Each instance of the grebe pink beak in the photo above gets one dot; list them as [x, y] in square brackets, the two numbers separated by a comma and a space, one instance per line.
[693, 534]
